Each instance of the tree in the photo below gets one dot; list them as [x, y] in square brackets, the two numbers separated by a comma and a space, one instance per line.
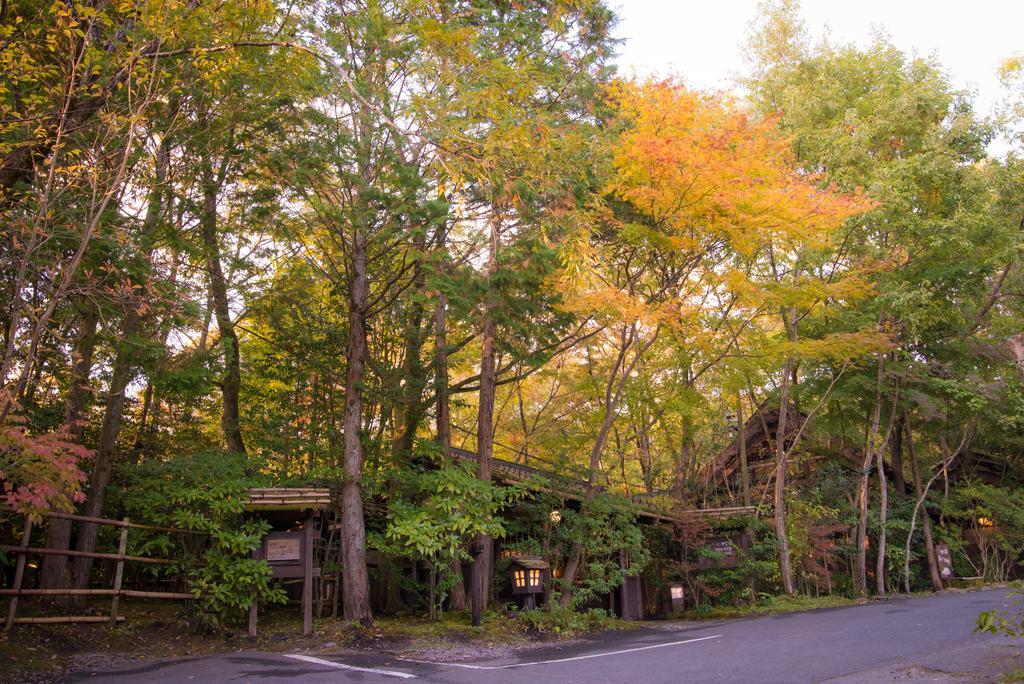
[720, 194]
[892, 125]
[521, 169]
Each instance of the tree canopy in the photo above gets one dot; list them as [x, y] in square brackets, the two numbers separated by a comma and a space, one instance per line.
[342, 242]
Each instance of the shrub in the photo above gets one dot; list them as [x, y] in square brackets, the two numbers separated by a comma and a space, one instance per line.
[205, 492]
[566, 622]
[1008, 623]
[436, 513]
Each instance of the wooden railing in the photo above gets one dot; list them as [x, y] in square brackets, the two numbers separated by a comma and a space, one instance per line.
[24, 550]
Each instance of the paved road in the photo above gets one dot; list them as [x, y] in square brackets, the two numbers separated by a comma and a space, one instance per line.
[924, 639]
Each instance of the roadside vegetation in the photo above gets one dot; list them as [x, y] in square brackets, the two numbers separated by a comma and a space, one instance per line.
[721, 353]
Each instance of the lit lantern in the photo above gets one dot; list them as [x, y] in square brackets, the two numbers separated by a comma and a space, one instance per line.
[528, 575]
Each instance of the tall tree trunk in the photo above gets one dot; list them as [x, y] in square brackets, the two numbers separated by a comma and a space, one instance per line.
[1017, 349]
[883, 496]
[355, 581]
[78, 385]
[232, 380]
[898, 478]
[121, 375]
[147, 406]
[789, 318]
[860, 567]
[741, 439]
[883, 515]
[926, 520]
[781, 466]
[55, 572]
[484, 545]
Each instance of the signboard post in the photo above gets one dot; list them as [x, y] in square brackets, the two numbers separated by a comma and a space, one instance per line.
[678, 597]
[290, 556]
[945, 562]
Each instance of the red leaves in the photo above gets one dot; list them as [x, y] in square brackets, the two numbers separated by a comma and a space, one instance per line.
[39, 472]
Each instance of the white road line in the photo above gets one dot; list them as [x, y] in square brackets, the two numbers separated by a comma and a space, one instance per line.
[343, 666]
[564, 660]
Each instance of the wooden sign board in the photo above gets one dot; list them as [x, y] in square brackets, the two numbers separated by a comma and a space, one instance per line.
[945, 561]
[725, 550]
[281, 550]
[285, 552]
[678, 597]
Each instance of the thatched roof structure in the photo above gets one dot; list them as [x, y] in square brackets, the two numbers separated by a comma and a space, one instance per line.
[758, 435]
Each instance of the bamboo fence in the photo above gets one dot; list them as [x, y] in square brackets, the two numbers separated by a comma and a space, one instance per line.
[24, 550]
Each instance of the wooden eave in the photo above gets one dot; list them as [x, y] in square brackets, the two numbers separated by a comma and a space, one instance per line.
[288, 498]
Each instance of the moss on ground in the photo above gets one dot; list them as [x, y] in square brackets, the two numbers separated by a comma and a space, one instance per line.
[768, 606]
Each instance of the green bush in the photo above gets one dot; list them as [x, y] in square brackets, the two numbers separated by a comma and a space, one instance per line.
[204, 492]
[566, 622]
[1006, 623]
[994, 517]
[435, 514]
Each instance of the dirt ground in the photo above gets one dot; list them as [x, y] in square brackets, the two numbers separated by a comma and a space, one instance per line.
[152, 630]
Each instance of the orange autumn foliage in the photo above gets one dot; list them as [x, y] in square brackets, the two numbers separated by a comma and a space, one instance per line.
[701, 169]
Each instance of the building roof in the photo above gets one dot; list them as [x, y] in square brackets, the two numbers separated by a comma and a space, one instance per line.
[288, 498]
[573, 489]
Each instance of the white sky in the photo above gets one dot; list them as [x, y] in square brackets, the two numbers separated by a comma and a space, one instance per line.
[701, 40]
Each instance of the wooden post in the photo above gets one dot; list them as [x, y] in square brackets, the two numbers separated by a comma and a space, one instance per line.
[307, 578]
[321, 581]
[474, 586]
[19, 575]
[122, 546]
[254, 608]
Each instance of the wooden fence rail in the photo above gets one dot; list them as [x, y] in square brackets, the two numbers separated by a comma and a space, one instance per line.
[39, 550]
[98, 592]
[24, 550]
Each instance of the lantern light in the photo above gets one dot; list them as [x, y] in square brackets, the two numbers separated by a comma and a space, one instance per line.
[528, 574]
[555, 516]
[535, 579]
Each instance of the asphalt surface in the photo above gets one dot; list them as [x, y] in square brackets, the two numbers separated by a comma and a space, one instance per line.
[922, 639]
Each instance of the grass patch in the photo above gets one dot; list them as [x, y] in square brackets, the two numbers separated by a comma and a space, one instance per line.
[768, 606]
[499, 627]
